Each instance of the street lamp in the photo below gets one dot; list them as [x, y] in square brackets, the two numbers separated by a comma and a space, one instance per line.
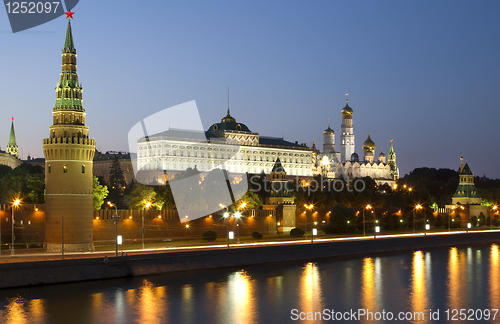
[314, 232]
[116, 226]
[237, 216]
[148, 204]
[364, 221]
[417, 207]
[305, 218]
[449, 218]
[187, 234]
[376, 229]
[226, 216]
[278, 229]
[494, 207]
[15, 204]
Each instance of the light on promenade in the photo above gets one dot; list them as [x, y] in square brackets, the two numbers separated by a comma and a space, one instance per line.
[14, 204]
[115, 217]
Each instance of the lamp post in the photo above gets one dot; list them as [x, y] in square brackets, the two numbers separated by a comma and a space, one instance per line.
[15, 204]
[278, 229]
[364, 219]
[116, 226]
[417, 207]
[376, 229]
[226, 216]
[494, 207]
[187, 234]
[148, 204]
[314, 231]
[449, 218]
[237, 216]
[305, 218]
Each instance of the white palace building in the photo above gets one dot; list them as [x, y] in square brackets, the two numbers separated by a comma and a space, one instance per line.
[232, 146]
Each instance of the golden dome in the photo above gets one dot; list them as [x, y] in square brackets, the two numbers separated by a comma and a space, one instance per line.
[368, 144]
[346, 110]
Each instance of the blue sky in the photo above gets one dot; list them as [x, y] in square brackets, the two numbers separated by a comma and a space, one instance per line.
[425, 73]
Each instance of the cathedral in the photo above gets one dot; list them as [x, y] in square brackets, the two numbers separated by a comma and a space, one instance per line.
[346, 163]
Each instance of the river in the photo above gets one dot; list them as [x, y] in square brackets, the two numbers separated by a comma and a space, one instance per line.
[428, 283]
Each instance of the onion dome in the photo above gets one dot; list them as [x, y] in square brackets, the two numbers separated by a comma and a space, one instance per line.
[328, 131]
[354, 157]
[381, 155]
[368, 145]
[347, 111]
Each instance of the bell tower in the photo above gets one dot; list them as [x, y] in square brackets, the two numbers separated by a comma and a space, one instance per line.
[68, 163]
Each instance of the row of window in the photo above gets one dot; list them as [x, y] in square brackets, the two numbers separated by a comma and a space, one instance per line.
[65, 168]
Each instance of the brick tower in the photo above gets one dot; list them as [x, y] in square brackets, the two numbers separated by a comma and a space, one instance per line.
[68, 164]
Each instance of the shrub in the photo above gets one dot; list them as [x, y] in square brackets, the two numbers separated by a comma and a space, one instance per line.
[257, 235]
[297, 232]
[328, 229]
[209, 236]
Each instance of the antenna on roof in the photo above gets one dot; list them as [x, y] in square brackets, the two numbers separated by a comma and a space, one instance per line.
[228, 100]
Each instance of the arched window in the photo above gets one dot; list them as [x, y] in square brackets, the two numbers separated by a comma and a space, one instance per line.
[50, 168]
[83, 168]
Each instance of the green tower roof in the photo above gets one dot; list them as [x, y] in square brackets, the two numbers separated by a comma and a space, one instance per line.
[12, 138]
[69, 46]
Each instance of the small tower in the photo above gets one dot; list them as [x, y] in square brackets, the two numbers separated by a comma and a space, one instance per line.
[392, 163]
[369, 149]
[328, 140]
[278, 194]
[347, 136]
[12, 146]
[466, 192]
[68, 163]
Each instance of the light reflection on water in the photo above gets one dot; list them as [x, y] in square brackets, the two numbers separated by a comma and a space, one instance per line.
[407, 282]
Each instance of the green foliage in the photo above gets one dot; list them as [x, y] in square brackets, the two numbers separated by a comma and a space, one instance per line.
[99, 192]
[257, 235]
[25, 182]
[116, 183]
[297, 232]
[165, 194]
[209, 236]
[140, 195]
[252, 200]
[342, 219]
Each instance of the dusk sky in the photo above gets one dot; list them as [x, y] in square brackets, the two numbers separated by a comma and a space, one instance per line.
[425, 73]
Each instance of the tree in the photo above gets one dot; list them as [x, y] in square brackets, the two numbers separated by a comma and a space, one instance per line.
[99, 192]
[35, 184]
[251, 199]
[116, 183]
[141, 195]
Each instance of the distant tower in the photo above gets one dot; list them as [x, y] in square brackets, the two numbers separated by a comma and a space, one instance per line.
[347, 137]
[381, 156]
[328, 140]
[12, 146]
[369, 149]
[392, 163]
[68, 163]
[466, 192]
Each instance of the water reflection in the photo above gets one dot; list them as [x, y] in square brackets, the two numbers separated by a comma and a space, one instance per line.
[20, 311]
[369, 295]
[494, 280]
[150, 303]
[240, 299]
[310, 297]
[457, 278]
[419, 295]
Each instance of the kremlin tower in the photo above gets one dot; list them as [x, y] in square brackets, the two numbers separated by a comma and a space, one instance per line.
[12, 148]
[68, 164]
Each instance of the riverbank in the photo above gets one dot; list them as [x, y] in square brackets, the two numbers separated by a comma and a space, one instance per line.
[74, 270]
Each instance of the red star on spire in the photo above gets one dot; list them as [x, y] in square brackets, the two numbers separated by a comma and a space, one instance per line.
[12, 118]
[69, 14]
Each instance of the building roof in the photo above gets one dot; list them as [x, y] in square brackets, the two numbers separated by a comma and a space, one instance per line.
[369, 144]
[69, 46]
[346, 110]
[465, 170]
[278, 167]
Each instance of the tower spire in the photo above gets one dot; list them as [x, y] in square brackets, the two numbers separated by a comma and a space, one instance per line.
[12, 147]
[69, 46]
[228, 114]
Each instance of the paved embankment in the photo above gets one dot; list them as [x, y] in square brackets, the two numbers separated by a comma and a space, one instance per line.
[60, 271]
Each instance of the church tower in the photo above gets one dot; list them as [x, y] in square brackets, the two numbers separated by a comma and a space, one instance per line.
[369, 150]
[328, 140]
[68, 163]
[347, 136]
[392, 163]
[12, 148]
